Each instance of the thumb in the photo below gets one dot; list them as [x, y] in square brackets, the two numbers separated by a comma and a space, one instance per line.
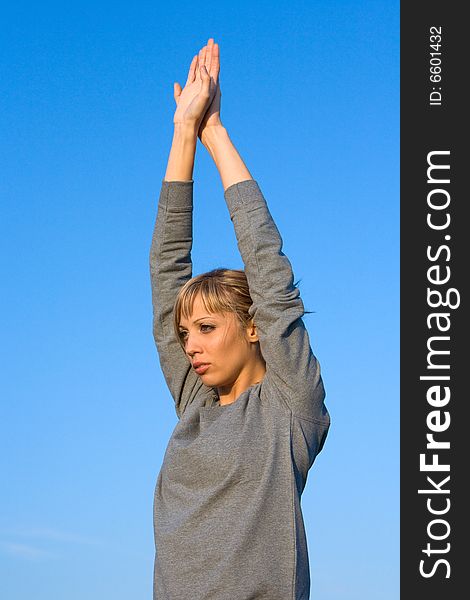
[176, 91]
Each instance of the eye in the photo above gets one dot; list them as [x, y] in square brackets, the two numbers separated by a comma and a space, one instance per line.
[206, 328]
[183, 334]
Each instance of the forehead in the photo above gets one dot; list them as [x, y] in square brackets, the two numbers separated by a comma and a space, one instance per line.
[200, 310]
[197, 307]
[197, 310]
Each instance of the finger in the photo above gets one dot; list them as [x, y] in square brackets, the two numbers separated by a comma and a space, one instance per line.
[192, 70]
[208, 57]
[201, 59]
[176, 91]
[215, 64]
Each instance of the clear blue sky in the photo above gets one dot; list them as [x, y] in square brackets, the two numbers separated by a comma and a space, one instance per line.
[310, 96]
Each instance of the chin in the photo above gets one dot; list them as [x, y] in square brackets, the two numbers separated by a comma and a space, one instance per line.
[210, 380]
[207, 380]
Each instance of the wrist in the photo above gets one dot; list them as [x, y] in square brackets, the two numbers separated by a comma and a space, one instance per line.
[182, 152]
[185, 131]
[228, 161]
[211, 134]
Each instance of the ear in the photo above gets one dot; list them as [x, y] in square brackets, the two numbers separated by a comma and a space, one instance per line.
[252, 332]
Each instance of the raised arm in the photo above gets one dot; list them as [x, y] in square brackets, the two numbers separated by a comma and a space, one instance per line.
[291, 367]
[192, 102]
[213, 134]
[170, 253]
[277, 310]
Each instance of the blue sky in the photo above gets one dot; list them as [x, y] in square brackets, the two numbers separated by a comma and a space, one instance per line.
[310, 97]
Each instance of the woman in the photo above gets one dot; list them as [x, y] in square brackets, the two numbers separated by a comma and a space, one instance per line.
[247, 388]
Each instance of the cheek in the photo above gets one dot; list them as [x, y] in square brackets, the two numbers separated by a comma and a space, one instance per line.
[226, 346]
[217, 345]
[237, 350]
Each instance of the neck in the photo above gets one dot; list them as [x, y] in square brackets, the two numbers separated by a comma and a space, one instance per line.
[228, 394]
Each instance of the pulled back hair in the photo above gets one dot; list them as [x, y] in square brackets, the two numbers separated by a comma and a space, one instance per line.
[221, 290]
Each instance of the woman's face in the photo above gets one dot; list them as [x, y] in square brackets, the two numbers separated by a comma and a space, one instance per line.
[221, 351]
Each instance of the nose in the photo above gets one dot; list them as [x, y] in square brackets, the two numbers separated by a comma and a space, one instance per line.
[192, 345]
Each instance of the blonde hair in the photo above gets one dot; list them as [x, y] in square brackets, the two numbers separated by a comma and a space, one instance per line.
[221, 290]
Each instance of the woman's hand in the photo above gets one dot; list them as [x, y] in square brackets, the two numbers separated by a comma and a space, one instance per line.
[210, 130]
[194, 99]
[210, 57]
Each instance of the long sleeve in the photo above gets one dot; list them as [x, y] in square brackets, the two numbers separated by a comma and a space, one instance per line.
[227, 511]
[170, 268]
[291, 367]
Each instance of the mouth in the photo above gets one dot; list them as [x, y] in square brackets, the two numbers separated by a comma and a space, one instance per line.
[200, 368]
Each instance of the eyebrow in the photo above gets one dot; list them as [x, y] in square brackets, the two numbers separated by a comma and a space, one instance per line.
[200, 319]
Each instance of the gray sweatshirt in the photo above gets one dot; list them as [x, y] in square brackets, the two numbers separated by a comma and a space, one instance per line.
[227, 515]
